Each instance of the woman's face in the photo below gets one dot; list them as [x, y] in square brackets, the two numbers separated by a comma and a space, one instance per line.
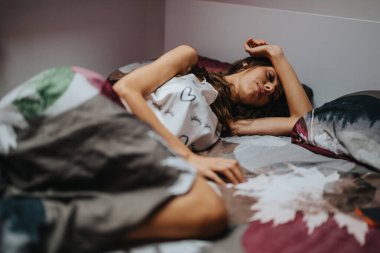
[257, 86]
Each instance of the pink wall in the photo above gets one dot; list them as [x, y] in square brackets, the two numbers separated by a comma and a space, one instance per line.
[99, 35]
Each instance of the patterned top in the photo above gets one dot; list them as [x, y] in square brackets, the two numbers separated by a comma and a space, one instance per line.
[182, 105]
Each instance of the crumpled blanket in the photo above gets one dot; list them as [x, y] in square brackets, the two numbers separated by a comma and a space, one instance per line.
[78, 178]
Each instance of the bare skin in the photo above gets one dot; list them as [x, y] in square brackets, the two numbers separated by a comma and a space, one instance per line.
[134, 87]
[200, 213]
[296, 97]
[252, 86]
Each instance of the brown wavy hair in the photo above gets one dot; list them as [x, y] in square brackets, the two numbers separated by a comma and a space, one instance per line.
[226, 108]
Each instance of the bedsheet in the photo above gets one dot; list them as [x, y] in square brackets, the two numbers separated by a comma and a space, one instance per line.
[77, 172]
[293, 201]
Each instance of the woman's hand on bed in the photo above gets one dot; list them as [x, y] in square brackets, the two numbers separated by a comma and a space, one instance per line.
[261, 48]
[216, 168]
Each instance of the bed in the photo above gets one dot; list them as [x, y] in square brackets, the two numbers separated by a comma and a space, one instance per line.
[63, 164]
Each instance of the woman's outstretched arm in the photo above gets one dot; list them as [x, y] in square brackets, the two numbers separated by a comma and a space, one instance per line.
[134, 87]
[297, 99]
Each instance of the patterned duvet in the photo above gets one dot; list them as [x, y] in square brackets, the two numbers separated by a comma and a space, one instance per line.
[77, 172]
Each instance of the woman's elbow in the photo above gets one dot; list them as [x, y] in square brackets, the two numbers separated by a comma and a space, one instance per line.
[190, 52]
[118, 88]
[292, 121]
[122, 89]
[296, 114]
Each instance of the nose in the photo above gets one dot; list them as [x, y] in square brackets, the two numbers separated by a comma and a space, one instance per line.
[269, 88]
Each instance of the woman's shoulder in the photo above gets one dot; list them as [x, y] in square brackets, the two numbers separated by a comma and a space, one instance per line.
[187, 79]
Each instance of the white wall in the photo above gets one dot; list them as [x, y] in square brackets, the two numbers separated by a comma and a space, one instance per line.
[332, 54]
[99, 34]
[357, 9]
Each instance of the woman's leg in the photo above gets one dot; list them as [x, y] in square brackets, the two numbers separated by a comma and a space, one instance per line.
[200, 213]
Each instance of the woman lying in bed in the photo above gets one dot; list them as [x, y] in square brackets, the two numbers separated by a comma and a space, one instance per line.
[191, 108]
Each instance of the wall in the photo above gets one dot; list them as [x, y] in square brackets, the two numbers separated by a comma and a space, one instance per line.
[335, 55]
[363, 9]
[333, 44]
[101, 35]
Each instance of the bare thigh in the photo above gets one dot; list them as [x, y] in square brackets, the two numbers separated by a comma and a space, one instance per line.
[200, 213]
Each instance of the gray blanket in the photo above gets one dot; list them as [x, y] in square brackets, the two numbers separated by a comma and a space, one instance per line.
[77, 179]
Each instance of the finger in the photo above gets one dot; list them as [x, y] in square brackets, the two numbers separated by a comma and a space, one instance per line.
[250, 43]
[236, 171]
[230, 176]
[262, 42]
[247, 47]
[214, 177]
[227, 168]
[238, 174]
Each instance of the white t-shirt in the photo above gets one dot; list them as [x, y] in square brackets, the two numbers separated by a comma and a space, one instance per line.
[182, 104]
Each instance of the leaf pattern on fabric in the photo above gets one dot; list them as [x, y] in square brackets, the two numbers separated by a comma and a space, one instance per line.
[280, 195]
[10, 118]
[354, 227]
[48, 86]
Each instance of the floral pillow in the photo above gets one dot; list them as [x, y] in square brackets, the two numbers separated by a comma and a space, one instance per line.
[347, 128]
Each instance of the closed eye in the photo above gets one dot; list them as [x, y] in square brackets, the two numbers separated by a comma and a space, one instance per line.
[270, 76]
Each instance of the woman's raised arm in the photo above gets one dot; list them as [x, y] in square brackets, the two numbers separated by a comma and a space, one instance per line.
[298, 101]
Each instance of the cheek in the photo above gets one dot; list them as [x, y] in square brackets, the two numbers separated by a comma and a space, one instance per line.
[246, 94]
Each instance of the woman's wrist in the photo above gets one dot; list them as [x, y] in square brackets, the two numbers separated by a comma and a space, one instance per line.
[181, 149]
[275, 52]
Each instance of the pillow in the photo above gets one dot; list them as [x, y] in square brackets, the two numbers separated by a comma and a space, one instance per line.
[212, 65]
[209, 64]
[347, 128]
[122, 71]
